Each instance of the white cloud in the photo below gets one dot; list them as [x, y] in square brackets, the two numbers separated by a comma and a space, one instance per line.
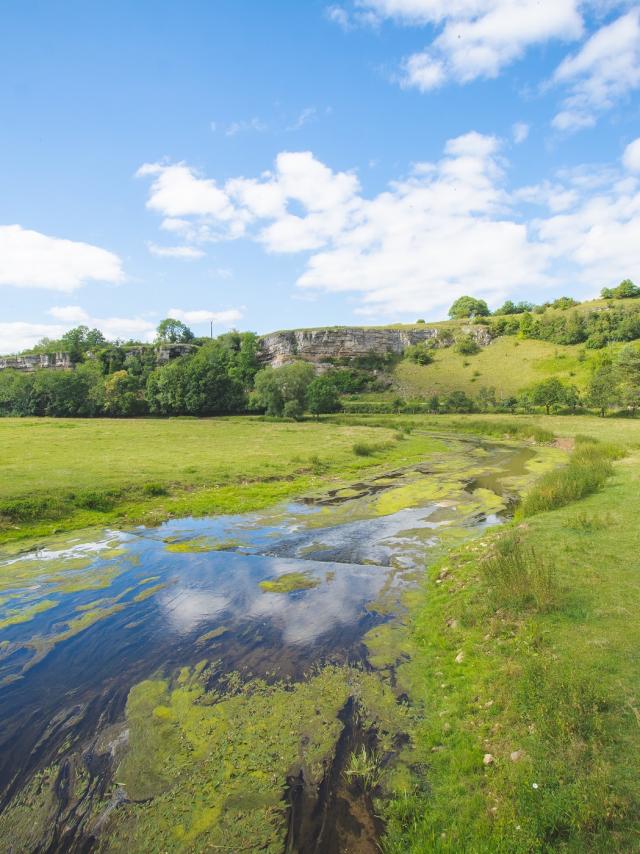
[221, 318]
[29, 259]
[70, 314]
[254, 124]
[449, 227]
[605, 69]
[111, 327]
[16, 336]
[520, 132]
[474, 38]
[631, 156]
[309, 114]
[188, 252]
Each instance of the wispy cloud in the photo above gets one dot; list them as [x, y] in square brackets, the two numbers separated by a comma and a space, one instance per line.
[602, 73]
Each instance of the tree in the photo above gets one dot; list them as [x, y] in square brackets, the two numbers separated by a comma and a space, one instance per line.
[81, 340]
[171, 331]
[121, 396]
[458, 401]
[322, 396]
[602, 391]
[468, 307]
[487, 398]
[549, 393]
[625, 290]
[627, 368]
[275, 387]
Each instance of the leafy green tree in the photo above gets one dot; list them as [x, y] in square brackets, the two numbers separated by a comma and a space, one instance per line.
[468, 307]
[274, 387]
[627, 367]
[122, 396]
[625, 290]
[487, 398]
[81, 340]
[458, 401]
[322, 395]
[550, 393]
[602, 389]
[171, 331]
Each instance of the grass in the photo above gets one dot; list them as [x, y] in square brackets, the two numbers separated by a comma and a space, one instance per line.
[118, 472]
[520, 654]
[589, 467]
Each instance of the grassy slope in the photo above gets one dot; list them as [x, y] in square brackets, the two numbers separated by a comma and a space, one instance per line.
[508, 364]
[559, 685]
[66, 474]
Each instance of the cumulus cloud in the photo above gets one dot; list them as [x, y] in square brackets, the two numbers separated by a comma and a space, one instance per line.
[224, 318]
[29, 259]
[18, 335]
[448, 227]
[605, 69]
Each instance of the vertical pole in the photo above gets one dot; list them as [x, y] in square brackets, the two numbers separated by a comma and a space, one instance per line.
[212, 329]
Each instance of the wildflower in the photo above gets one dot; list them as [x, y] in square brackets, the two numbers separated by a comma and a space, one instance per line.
[534, 785]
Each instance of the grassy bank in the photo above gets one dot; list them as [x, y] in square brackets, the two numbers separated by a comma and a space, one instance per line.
[525, 670]
[60, 475]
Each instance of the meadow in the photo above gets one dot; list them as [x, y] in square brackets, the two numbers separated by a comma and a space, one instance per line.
[60, 475]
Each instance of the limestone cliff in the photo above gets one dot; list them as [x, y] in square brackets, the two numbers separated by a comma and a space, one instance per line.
[321, 346]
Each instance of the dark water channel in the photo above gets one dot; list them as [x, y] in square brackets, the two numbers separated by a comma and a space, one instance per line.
[83, 620]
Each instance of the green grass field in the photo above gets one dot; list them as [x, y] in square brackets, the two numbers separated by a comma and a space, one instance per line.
[529, 690]
[59, 475]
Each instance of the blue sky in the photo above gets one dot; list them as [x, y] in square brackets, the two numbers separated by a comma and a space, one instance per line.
[285, 163]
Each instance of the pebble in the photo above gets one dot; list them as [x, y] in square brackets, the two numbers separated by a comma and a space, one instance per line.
[459, 658]
[487, 759]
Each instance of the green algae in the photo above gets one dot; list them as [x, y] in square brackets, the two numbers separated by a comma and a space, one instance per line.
[200, 544]
[149, 592]
[289, 582]
[212, 768]
[212, 635]
[25, 615]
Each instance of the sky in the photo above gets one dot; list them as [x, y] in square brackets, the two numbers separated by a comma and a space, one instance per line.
[268, 164]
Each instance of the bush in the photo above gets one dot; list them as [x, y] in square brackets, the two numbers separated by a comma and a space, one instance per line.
[466, 345]
[154, 489]
[362, 449]
[421, 353]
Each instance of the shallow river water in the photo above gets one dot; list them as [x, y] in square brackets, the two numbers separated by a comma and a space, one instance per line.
[84, 619]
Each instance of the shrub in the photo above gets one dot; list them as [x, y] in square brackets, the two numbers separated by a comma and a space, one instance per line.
[362, 449]
[421, 353]
[101, 501]
[466, 345]
[154, 489]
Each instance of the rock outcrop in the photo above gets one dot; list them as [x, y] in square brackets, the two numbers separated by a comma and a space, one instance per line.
[53, 361]
[322, 346]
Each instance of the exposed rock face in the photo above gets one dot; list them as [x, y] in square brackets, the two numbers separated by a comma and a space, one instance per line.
[62, 361]
[55, 361]
[323, 345]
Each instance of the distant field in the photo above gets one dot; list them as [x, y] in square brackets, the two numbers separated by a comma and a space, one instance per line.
[60, 474]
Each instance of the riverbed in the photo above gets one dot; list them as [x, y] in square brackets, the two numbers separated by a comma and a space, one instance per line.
[205, 684]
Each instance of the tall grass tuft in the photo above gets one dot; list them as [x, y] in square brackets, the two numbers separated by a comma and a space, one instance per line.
[589, 467]
[518, 576]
